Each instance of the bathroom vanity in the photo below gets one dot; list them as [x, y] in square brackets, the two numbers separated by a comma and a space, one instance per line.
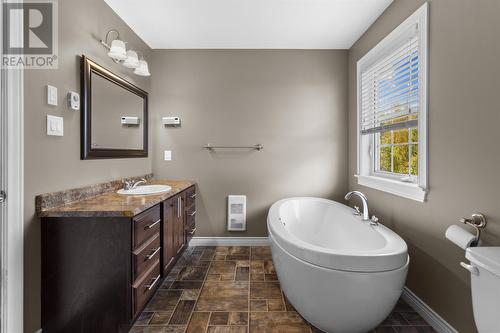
[104, 256]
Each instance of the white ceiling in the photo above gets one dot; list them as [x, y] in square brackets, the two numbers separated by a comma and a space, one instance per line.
[249, 24]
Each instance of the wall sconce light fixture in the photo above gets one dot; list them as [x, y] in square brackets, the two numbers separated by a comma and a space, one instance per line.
[143, 69]
[128, 58]
[132, 60]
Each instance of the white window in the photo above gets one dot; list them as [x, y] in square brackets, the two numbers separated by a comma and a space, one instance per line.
[392, 111]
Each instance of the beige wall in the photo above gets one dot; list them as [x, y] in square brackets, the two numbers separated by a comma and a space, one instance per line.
[53, 163]
[293, 102]
[464, 154]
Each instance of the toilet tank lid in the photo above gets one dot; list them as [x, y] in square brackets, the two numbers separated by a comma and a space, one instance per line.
[485, 257]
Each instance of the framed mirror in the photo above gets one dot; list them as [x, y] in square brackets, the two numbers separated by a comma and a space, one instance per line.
[114, 121]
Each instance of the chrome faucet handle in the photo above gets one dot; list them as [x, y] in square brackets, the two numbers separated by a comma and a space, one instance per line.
[356, 212]
[127, 184]
[374, 220]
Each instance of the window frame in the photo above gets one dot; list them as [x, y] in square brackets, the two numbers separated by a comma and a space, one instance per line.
[366, 144]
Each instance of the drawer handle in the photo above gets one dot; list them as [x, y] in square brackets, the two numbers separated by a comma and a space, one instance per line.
[193, 196]
[193, 213]
[150, 256]
[170, 261]
[192, 231]
[179, 207]
[150, 286]
[153, 224]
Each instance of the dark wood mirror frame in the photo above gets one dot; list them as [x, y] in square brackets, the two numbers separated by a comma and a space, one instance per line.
[87, 152]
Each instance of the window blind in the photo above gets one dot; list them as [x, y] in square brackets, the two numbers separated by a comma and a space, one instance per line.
[390, 90]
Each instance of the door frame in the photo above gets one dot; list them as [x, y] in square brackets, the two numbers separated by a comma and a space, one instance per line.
[12, 226]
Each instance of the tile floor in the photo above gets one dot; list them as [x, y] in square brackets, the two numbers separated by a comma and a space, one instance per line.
[236, 290]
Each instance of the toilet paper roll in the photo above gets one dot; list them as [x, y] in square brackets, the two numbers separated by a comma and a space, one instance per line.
[462, 238]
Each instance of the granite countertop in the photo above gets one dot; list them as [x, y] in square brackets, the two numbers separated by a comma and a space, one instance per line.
[111, 204]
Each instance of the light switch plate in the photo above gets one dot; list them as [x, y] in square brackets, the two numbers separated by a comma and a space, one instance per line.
[51, 95]
[168, 155]
[55, 126]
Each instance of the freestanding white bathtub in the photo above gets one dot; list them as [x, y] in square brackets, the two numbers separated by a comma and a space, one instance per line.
[340, 273]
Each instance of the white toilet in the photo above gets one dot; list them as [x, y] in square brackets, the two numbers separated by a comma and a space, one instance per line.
[485, 285]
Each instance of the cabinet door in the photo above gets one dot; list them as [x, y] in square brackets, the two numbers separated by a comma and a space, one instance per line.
[168, 234]
[179, 223]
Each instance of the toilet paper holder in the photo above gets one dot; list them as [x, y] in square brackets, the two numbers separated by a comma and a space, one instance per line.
[477, 221]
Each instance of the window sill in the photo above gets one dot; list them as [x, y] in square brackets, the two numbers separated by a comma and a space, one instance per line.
[402, 189]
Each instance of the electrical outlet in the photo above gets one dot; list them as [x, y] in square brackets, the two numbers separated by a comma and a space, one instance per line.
[168, 155]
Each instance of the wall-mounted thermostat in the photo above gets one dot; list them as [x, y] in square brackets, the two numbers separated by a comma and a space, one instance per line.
[131, 120]
[171, 121]
[74, 100]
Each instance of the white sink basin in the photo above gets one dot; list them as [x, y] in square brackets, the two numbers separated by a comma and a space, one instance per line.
[145, 190]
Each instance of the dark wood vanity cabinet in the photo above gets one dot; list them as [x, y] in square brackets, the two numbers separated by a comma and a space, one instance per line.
[178, 225]
[87, 274]
[98, 273]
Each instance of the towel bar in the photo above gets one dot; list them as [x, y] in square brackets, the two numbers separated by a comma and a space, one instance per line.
[257, 147]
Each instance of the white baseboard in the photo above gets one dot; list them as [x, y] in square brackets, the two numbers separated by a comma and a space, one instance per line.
[435, 320]
[229, 241]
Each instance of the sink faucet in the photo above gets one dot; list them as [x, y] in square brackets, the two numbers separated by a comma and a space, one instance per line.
[130, 185]
[366, 216]
[139, 182]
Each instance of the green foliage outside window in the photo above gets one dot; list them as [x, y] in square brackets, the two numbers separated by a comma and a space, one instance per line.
[398, 151]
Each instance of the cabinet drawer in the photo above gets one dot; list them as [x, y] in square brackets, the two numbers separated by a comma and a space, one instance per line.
[145, 256]
[190, 230]
[190, 196]
[190, 218]
[144, 288]
[146, 225]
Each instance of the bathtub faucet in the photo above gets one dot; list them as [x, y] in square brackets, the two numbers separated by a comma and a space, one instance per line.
[366, 216]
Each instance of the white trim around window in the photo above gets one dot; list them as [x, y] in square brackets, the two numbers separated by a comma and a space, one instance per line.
[366, 175]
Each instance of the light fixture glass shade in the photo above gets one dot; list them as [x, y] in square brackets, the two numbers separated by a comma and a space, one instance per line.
[118, 50]
[143, 69]
[132, 60]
